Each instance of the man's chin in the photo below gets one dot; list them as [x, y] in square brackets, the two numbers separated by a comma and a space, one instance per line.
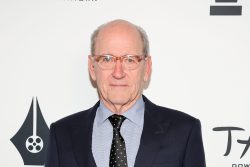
[119, 98]
[118, 101]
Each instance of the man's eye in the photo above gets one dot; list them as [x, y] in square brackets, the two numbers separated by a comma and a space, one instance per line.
[107, 59]
[130, 60]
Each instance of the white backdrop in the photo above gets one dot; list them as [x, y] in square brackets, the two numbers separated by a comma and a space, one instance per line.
[201, 64]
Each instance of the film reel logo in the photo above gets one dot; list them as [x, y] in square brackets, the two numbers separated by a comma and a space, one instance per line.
[34, 144]
[31, 138]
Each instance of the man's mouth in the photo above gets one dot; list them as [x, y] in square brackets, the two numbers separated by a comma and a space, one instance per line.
[118, 85]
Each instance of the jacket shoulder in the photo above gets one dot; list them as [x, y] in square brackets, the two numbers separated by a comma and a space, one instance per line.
[77, 118]
[174, 115]
[163, 114]
[74, 117]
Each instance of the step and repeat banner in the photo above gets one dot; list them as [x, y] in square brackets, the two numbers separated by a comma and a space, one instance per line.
[201, 66]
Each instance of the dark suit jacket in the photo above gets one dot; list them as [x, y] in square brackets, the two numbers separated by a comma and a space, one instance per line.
[169, 139]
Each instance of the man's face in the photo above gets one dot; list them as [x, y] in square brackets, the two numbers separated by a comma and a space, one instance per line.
[119, 86]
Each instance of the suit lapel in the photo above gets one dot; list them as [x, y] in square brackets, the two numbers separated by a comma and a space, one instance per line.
[149, 145]
[82, 139]
[151, 136]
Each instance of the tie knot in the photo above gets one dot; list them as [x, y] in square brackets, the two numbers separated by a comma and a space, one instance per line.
[116, 120]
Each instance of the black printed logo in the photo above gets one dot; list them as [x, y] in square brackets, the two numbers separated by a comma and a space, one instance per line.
[225, 9]
[229, 130]
[31, 139]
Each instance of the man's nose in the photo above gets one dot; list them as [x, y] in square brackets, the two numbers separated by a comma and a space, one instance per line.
[118, 71]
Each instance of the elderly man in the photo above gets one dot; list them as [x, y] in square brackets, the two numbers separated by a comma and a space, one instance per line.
[124, 129]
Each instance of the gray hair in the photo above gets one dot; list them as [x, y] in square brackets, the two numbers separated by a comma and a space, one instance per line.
[142, 32]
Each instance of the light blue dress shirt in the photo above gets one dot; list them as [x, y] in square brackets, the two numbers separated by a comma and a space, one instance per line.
[131, 131]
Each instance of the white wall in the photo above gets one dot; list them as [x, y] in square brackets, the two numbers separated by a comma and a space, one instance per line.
[201, 64]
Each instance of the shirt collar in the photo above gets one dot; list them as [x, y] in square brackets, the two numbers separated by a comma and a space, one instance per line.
[135, 114]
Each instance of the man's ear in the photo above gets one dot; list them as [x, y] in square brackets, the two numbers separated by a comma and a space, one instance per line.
[91, 67]
[148, 69]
